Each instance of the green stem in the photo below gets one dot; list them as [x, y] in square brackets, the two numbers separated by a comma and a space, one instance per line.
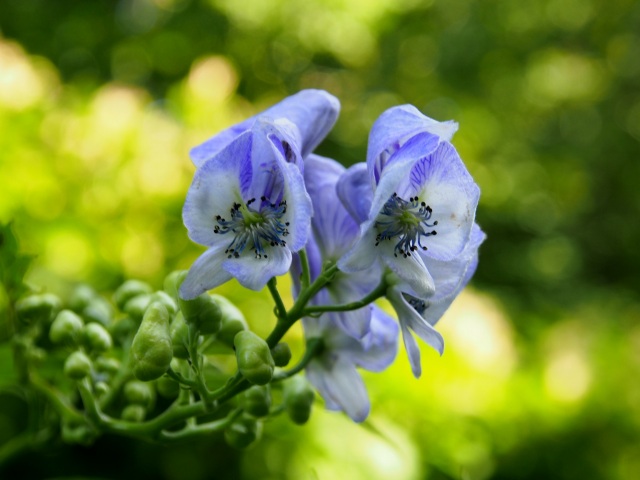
[305, 279]
[123, 376]
[377, 292]
[59, 401]
[194, 431]
[281, 310]
[314, 347]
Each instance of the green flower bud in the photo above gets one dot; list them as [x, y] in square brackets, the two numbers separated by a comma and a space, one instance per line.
[121, 329]
[179, 332]
[281, 354]
[77, 366]
[134, 413]
[107, 365]
[202, 312]
[243, 432]
[38, 308]
[128, 290]
[165, 299]
[81, 297]
[97, 337]
[232, 320]
[253, 357]
[172, 283]
[101, 388]
[256, 401]
[139, 393]
[137, 306]
[98, 311]
[66, 327]
[77, 432]
[151, 349]
[298, 399]
[167, 387]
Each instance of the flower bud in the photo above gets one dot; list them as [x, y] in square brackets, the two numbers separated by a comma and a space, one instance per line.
[78, 432]
[179, 332]
[151, 349]
[232, 320]
[98, 311]
[202, 312]
[256, 401]
[134, 413]
[97, 337]
[243, 432]
[139, 393]
[81, 297]
[128, 290]
[101, 388]
[167, 387]
[38, 308]
[165, 299]
[253, 357]
[172, 283]
[281, 354]
[298, 399]
[137, 306]
[107, 365]
[66, 327]
[77, 366]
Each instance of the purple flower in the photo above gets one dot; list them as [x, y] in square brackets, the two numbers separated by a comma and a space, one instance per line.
[248, 205]
[309, 116]
[334, 231]
[333, 372]
[423, 199]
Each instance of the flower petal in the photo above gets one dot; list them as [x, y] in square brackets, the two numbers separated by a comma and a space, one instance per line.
[410, 269]
[413, 351]
[356, 191]
[206, 273]
[363, 253]
[379, 348]
[254, 273]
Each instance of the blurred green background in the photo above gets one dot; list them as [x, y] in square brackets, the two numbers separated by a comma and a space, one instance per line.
[101, 100]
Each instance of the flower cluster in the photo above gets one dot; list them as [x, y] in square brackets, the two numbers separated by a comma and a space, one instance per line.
[400, 225]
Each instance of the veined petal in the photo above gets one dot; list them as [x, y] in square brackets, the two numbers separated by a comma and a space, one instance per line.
[299, 207]
[206, 273]
[215, 188]
[253, 273]
[344, 387]
[379, 348]
[413, 351]
[362, 254]
[356, 191]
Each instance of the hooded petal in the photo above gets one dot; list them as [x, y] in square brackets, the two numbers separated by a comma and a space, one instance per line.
[254, 273]
[311, 112]
[379, 348]
[410, 269]
[394, 128]
[206, 273]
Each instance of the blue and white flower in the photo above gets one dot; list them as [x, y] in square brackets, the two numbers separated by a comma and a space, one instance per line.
[248, 205]
[423, 203]
[334, 371]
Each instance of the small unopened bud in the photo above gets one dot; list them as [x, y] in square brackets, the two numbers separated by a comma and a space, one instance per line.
[298, 399]
[128, 290]
[179, 332]
[165, 299]
[77, 366]
[202, 312]
[243, 432]
[97, 337]
[98, 311]
[38, 308]
[134, 413]
[107, 365]
[139, 393]
[151, 349]
[66, 327]
[137, 306]
[167, 387]
[81, 297]
[281, 354]
[233, 320]
[253, 357]
[101, 388]
[256, 401]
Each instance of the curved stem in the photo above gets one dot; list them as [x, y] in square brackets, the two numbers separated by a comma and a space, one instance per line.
[376, 293]
[305, 279]
[281, 310]
[314, 347]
